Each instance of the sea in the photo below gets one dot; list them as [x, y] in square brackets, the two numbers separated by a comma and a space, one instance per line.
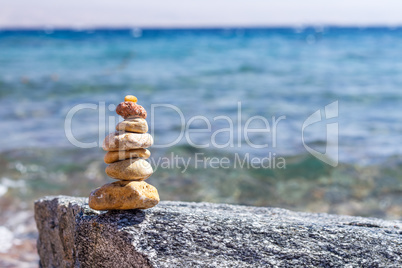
[324, 102]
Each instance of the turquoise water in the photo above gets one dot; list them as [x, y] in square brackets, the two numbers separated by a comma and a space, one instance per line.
[272, 72]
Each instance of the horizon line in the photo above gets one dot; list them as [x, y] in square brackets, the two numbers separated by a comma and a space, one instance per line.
[198, 27]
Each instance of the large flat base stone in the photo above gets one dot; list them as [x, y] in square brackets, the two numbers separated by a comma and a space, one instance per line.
[179, 234]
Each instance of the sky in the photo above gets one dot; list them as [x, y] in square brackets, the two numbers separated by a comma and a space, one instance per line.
[196, 13]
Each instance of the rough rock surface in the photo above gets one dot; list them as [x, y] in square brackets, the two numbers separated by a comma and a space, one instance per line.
[179, 234]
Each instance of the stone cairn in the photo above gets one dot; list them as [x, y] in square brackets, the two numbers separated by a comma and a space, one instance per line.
[126, 151]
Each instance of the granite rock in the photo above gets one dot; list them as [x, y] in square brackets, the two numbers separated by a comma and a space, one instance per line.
[179, 234]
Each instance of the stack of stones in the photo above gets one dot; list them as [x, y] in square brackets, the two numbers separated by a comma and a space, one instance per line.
[126, 153]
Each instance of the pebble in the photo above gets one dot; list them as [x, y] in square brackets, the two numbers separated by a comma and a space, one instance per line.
[130, 170]
[138, 125]
[124, 195]
[111, 157]
[130, 98]
[127, 141]
[127, 109]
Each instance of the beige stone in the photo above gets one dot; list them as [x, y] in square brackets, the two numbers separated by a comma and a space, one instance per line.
[127, 141]
[138, 125]
[130, 170]
[124, 195]
[111, 157]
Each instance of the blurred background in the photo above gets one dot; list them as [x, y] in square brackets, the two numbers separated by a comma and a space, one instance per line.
[278, 58]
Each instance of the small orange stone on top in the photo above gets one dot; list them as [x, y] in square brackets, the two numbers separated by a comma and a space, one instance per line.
[130, 98]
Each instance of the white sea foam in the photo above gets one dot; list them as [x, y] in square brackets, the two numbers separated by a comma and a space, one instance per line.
[3, 189]
[9, 183]
[6, 239]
